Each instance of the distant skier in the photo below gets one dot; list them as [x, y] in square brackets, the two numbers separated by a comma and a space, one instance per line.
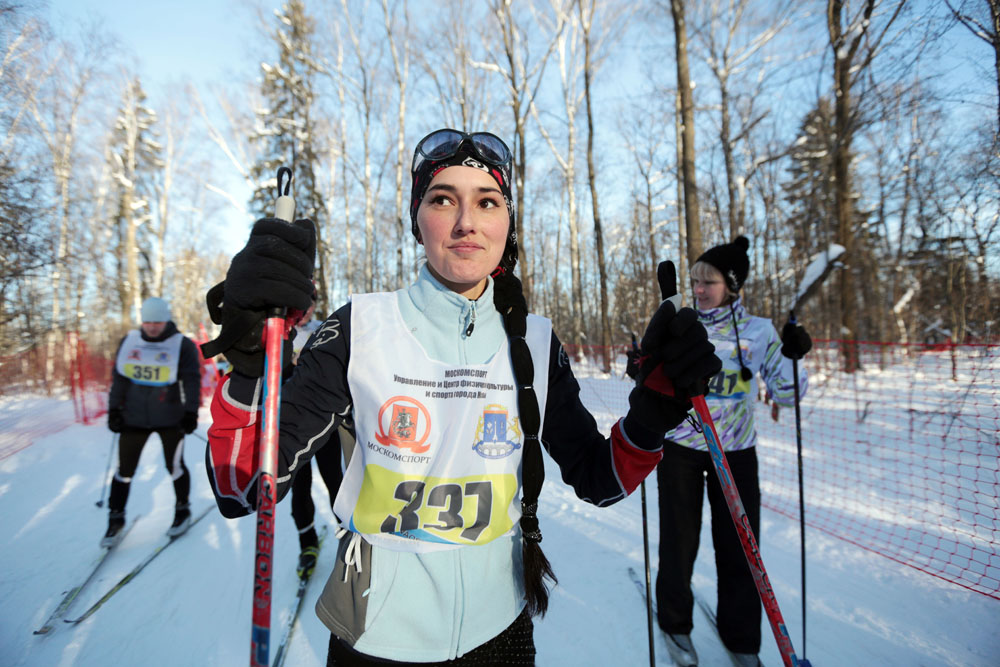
[747, 346]
[155, 387]
[439, 556]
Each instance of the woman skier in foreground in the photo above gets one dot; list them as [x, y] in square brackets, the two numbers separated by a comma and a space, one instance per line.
[454, 388]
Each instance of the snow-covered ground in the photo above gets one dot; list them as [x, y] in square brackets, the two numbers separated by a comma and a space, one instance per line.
[191, 606]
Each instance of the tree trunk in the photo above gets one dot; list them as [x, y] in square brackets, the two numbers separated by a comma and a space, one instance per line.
[682, 268]
[592, 179]
[401, 69]
[843, 55]
[735, 222]
[691, 222]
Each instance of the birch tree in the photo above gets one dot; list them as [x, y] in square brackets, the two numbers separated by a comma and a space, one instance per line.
[570, 65]
[401, 74]
[523, 76]
[362, 91]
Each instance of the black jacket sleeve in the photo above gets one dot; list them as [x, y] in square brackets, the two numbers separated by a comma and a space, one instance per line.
[602, 470]
[189, 375]
[119, 383]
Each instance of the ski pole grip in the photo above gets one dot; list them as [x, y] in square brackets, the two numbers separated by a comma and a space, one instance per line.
[284, 209]
[284, 205]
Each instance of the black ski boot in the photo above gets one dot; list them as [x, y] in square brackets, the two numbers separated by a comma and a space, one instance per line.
[182, 521]
[309, 545]
[116, 521]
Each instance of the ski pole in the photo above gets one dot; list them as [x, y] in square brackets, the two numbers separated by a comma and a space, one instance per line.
[645, 547]
[107, 471]
[274, 335]
[802, 502]
[742, 522]
[645, 553]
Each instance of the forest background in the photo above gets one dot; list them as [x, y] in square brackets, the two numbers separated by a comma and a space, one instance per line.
[641, 131]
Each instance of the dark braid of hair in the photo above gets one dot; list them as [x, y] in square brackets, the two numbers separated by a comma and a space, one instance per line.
[509, 301]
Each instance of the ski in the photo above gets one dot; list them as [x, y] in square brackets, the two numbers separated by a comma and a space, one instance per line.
[640, 584]
[296, 607]
[74, 592]
[710, 615]
[136, 570]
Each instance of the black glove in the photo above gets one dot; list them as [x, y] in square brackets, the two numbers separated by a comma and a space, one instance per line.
[116, 422]
[189, 422]
[676, 360]
[795, 342]
[632, 359]
[274, 270]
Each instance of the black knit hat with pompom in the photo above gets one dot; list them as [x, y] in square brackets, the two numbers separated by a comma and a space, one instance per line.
[731, 260]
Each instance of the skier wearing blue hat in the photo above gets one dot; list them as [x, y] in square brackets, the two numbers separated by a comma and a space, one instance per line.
[155, 387]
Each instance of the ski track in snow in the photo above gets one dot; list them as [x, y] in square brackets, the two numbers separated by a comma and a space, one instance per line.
[191, 606]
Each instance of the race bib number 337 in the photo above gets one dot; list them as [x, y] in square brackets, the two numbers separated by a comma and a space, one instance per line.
[464, 510]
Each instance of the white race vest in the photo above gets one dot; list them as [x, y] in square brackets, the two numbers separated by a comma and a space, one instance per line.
[147, 362]
[438, 455]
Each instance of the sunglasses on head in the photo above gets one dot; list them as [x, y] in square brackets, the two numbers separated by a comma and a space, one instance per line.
[443, 144]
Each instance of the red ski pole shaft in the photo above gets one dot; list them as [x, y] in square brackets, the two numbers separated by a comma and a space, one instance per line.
[274, 337]
[742, 522]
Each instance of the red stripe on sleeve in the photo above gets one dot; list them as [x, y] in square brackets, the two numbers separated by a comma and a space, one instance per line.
[233, 441]
[632, 464]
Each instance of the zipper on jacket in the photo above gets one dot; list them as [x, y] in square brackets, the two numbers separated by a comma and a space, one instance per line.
[471, 319]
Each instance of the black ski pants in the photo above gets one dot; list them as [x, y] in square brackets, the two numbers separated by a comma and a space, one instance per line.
[303, 509]
[130, 444]
[681, 477]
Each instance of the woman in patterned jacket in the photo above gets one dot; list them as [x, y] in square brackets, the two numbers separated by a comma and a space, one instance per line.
[749, 348]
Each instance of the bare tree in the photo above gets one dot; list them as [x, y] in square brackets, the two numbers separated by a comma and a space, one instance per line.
[25, 251]
[401, 72]
[730, 53]
[363, 89]
[593, 43]
[982, 18]
[645, 141]
[232, 139]
[523, 77]
[453, 68]
[853, 51]
[692, 223]
[570, 63]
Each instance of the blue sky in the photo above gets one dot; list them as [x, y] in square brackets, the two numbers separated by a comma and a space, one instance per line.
[171, 40]
[205, 42]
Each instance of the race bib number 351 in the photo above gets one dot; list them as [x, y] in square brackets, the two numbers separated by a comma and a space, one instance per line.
[464, 510]
[147, 373]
